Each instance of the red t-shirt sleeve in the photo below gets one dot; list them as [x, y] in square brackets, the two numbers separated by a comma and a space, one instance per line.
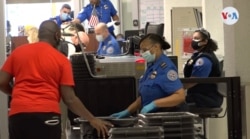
[67, 75]
[7, 66]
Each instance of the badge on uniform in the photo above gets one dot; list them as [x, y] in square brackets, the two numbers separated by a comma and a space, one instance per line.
[172, 75]
[153, 75]
[105, 6]
[190, 62]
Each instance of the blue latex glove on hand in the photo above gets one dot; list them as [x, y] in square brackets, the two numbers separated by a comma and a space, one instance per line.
[121, 114]
[148, 108]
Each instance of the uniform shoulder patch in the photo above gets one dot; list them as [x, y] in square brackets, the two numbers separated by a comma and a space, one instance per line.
[172, 75]
[110, 50]
[199, 62]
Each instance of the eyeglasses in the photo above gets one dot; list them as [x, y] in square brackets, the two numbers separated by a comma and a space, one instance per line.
[146, 49]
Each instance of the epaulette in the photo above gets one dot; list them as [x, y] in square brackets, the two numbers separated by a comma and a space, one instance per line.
[163, 65]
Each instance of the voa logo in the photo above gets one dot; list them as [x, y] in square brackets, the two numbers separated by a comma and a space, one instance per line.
[230, 15]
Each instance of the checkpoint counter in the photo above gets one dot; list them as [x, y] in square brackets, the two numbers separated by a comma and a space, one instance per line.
[115, 87]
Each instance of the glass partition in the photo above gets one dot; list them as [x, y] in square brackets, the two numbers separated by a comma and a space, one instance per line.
[26, 14]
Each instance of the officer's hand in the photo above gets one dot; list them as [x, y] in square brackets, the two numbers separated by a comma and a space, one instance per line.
[121, 114]
[117, 23]
[148, 108]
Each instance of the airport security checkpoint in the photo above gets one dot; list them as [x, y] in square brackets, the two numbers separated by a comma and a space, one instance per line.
[124, 69]
[108, 84]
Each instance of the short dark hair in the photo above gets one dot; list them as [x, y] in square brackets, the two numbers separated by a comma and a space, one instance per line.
[77, 27]
[120, 35]
[67, 6]
[205, 34]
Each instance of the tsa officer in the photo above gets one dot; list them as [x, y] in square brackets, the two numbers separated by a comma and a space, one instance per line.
[105, 12]
[64, 15]
[203, 63]
[160, 88]
[107, 43]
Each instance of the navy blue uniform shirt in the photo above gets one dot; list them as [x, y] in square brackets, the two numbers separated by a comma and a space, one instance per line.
[105, 12]
[160, 80]
[109, 47]
[58, 20]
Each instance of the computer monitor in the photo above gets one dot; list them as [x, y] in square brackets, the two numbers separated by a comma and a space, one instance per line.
[174, 59]
[154, 28]
[129, 33]
[134, 44]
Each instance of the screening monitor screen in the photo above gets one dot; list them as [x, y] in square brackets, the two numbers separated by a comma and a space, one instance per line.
[154, 28]
[174, 59]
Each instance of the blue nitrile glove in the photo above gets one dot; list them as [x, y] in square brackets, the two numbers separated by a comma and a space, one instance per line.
[148, 108]
[122, 114]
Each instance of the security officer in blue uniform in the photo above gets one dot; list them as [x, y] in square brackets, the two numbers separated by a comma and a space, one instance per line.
[64, 15]
[160, 88]
[105, 12]
[203, 63]
[108, 45]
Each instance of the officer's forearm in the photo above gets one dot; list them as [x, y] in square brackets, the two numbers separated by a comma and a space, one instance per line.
[76, 20]
[115, 18]
[173, 100]
[135, 105]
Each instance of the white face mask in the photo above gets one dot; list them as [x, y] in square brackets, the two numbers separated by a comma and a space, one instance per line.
[64, 16]
[148, 56]
[99, 38]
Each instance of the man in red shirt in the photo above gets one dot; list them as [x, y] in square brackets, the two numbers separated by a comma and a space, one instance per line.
[42, 75]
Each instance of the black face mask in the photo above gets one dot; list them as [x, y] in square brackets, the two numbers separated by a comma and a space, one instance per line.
[195, 44]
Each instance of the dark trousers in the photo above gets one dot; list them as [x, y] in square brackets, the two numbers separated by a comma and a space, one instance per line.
[35, 126]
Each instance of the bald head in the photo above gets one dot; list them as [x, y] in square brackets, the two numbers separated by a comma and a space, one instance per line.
[102, 29]
[49, 32]
[83, 38]
[101, 26]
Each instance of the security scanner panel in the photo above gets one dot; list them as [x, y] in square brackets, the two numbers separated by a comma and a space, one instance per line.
[105, 96]
[120, 66]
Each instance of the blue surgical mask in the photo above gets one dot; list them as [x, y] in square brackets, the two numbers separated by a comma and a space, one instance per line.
[148, 56]
[64, 16]
[120, 39]
[99, 38]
